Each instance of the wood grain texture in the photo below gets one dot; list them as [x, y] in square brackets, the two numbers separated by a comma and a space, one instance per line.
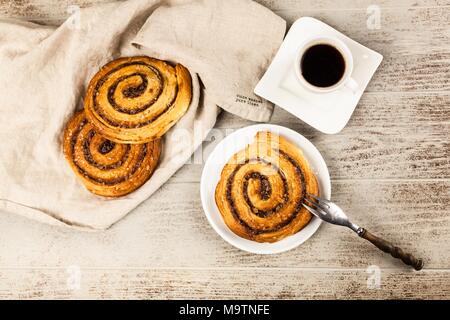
[412, 41]
[221, 283]
[57, 10]
[390, 169]
[413, 36]
[390, 136]
[411, 214]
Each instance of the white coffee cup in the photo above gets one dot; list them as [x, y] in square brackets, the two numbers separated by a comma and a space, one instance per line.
[346, 80]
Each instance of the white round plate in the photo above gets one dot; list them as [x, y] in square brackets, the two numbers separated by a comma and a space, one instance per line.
[211, 175]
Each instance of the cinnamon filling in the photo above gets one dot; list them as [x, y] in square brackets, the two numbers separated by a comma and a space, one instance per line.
[265, 193]
[88, 157]
[130, 93]
[106, 147]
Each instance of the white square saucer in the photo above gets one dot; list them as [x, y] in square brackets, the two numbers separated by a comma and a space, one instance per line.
[327, 112]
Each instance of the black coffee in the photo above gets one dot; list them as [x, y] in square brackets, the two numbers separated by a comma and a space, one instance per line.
[323, 65]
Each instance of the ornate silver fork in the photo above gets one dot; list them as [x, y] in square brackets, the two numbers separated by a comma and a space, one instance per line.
[331, 213]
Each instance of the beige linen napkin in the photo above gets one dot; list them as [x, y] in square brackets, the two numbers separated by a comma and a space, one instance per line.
[44, 72]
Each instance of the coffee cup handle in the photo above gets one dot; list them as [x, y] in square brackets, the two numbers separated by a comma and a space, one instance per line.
[352, 85]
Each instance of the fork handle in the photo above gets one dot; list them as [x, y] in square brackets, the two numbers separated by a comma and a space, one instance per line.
[388, 247]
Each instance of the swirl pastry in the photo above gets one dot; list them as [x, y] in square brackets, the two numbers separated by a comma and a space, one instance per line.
[262, 188]
[136, 100]
[107, 168]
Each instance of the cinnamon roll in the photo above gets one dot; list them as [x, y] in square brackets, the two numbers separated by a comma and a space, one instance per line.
[262, 188]
[105, 167]
[136, 100]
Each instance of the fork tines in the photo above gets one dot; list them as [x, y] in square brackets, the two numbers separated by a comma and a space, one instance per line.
[317, 206]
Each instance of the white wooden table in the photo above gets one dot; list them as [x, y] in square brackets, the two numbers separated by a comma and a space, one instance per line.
[390, 170]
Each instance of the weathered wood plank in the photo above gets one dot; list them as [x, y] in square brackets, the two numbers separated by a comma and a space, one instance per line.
[43, 9]
[170, 231]
[413, 42]
[222, 284]
[413, 39]
[390, 136]
[397, 137]
[331, 5]
[57, 9]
